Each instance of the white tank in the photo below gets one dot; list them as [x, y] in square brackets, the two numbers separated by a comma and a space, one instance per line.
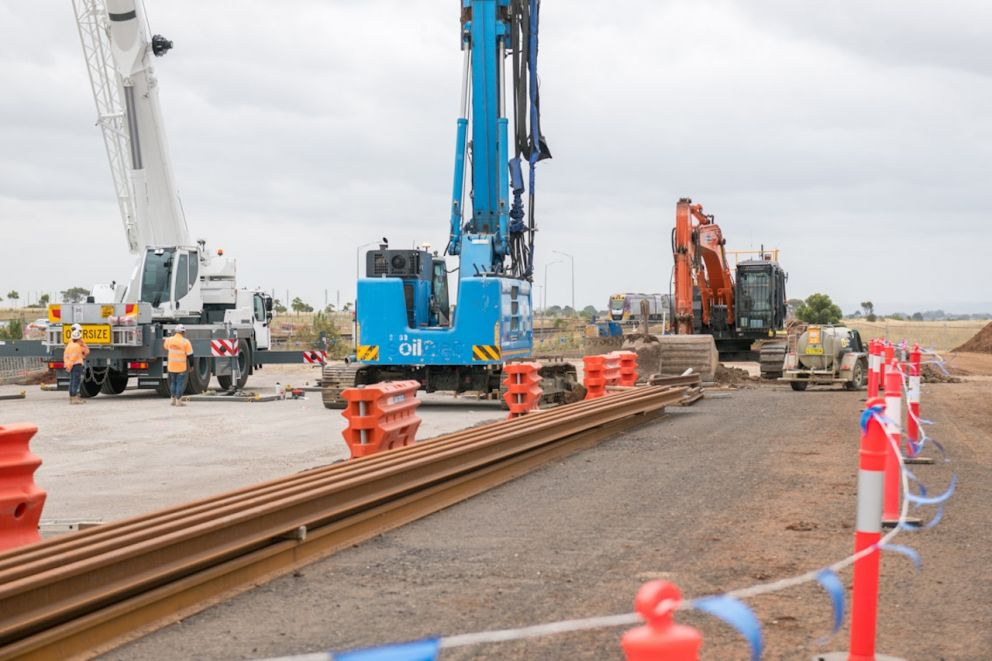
[820, 347]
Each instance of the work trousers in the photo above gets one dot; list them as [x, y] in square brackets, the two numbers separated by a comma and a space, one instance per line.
[75, 380]
[177, 383]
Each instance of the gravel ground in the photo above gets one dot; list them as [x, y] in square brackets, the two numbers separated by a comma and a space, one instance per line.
[734, 491]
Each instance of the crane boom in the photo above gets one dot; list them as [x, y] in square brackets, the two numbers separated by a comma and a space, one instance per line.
[118, 52]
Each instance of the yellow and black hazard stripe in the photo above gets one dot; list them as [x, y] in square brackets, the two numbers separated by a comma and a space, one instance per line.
[486, 352]
[367, 352]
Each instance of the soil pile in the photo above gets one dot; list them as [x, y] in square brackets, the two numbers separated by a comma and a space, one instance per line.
[648, 350]
[731, 376]
[981, 342]
[933, 374]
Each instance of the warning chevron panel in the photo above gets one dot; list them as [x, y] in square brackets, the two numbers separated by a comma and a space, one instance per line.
[367, 352]
[485, 352]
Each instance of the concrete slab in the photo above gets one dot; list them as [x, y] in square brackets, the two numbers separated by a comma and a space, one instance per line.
[133, 453]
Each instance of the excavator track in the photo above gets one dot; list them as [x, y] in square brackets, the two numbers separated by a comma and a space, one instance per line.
[772, 359]
[334, 379]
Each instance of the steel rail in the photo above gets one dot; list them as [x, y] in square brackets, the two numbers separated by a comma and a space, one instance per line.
[12, 564]
[69, 598]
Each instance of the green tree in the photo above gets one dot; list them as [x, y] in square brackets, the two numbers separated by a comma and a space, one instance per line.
[299, 306]
[869, 309]
[44, 300]
[346, 307]
[554, 310]
[917, 316]
[278, 307]
[13, 330]
[13, 295]
[792, 305]
[74, 294]
[819, 309]
[589, 311]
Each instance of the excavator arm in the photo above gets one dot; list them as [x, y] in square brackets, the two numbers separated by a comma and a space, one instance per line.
[700, 264]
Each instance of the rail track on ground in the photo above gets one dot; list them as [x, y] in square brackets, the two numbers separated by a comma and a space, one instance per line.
[82, 594]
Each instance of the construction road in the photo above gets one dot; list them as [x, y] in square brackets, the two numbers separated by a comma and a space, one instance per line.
[728, 493]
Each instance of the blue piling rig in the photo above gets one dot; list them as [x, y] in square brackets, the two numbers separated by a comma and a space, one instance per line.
[405, 325]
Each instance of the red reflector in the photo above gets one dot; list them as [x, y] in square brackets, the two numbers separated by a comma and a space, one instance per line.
[137, 366]
[56, 366]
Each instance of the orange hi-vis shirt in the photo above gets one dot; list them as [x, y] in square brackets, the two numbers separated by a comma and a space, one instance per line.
[178, 347]
[74, 354]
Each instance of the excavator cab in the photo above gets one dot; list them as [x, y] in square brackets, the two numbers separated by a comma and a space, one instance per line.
[760, 297]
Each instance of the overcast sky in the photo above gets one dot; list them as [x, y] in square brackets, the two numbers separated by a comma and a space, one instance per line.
[854, 136]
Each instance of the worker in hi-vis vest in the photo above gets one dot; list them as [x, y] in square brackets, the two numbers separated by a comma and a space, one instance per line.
[72, 359]
[179, 349]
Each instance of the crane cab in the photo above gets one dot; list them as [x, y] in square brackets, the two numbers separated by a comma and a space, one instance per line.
[170, 281]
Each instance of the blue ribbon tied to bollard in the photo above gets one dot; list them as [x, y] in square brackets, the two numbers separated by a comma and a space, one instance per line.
[736, 614]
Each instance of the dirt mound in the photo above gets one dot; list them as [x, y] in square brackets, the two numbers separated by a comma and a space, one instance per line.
[648, 350]
[981, 342]
[933, 374]
[731, 376]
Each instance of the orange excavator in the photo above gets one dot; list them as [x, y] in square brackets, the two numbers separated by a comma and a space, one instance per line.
[709, 300]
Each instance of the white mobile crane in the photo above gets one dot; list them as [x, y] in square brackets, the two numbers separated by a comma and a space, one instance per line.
[175, 280]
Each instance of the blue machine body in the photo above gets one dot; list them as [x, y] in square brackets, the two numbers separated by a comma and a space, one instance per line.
[402, 310]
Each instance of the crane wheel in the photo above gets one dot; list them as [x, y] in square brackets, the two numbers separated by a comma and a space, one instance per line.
[798, 386]
[115, 383]
[198, 376]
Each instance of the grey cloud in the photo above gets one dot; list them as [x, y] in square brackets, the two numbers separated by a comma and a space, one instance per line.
[824, 129]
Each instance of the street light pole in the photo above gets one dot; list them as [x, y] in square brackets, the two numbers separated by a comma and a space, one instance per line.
[572, 260]
[545, 292]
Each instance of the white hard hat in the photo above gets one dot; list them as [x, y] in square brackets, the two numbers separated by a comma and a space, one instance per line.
[180, 328]
[76, 334]
[77, 327]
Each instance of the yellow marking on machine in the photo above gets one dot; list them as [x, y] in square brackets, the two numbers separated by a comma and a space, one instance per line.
[92, 334]
[367, 352]
[485, 352]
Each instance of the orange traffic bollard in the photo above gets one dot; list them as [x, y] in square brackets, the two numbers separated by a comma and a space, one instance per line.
[661, 637]
[523, 388]
[628, 368]
[913, 402]
[893, 427]
[380, 417]
[21, 500]
[593, 376]
[872, 476]
[874, 367]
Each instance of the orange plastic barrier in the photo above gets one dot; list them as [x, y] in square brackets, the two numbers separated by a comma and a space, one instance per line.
[21, 500]
[380, 417]
[523, 388]
[660, 638]
[628, 367]
[594, 378]
[611, 370]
